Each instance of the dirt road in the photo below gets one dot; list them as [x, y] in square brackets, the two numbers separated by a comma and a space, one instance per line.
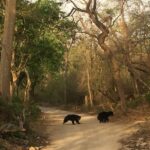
[89, 135]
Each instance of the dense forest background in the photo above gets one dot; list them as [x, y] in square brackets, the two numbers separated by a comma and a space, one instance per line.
[82, 54]
[106, 62]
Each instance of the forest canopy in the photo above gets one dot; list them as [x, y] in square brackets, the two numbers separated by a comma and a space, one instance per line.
[81, 53]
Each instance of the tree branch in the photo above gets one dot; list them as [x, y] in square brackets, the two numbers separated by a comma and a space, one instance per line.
[94, 5]
[106, 95]
[92, 35]
[88, 5]
[115, 20]
[73, 10]
[76, 7]
[3, 3]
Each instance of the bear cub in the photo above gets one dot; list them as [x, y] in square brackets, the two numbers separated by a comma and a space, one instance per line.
[104, 116]
[73, 118]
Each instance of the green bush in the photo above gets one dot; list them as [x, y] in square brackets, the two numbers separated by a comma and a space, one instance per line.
[6, 112]
[147, 97]
[18, 109]
[135, 102]
[17, 106]
[32, 111]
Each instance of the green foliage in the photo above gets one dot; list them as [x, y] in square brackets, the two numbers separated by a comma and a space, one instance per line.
[55, 90]
[17, 109]
[132, 104]
[6, 112]
[135, 102]
[147, 97]
[17, 106]
[48, 7]
[32, 111]
[110, 11]
[41, 36]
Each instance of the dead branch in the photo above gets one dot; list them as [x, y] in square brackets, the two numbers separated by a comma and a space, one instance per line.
[86, 30]
[76, 7]
[8, 127]
[146, 85]
[91, 35]
[28, 85]
[113, 22]
[94, 6]
[88, 5]
[73, 10]
[3, 3]
[106, 95]
[142, 70]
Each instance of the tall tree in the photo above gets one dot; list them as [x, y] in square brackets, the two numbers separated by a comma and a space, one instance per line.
[7, 48]
[91, 11]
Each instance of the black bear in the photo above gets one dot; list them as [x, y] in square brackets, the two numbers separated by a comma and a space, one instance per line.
[72, 117]
[104, 116]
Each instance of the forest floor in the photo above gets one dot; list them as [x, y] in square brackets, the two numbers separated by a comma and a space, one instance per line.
[89, 135]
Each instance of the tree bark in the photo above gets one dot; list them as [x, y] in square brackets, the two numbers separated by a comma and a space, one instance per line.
[66, 78]
[120, 88]
[7, 49]
[32, 89]
[89, 88]
[27, 88]
[88, 75]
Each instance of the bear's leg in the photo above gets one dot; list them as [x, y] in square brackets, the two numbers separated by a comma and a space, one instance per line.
[106, 119]
[73, 122]
[101, 120]
[77, 121]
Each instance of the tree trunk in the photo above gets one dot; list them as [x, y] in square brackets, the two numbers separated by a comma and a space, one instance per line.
[66, 78]
[32, 89]
[120, 89]
[88, 75]
[108, 52]
[27, 88]
[89, 88]
[126, 41]
[7, 49]
[86, 101]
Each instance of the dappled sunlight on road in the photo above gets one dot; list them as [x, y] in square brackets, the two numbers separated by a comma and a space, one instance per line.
[89, 135]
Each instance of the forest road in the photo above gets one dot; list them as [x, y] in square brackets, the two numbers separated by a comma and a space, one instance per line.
[89, 135]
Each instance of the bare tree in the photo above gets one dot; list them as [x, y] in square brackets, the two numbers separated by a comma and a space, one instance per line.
[101, 38]
[127, 44]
